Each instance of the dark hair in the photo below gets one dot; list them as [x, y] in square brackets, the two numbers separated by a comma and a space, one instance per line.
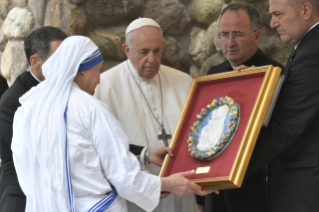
[38, 41]
[251, 11]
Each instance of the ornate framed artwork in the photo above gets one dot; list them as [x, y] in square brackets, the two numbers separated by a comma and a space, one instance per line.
[219, 125]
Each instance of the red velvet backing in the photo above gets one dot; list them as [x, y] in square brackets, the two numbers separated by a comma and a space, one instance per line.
[244, 90]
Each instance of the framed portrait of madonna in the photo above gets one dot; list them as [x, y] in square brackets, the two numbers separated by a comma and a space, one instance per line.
[219, 125]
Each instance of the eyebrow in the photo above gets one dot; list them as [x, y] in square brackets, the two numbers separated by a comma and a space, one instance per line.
[233, 32]
[275, 12]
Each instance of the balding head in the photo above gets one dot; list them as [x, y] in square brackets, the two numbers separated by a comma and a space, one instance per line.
[298, 3]
[293, 19]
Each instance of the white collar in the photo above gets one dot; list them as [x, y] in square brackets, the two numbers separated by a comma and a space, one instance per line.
[29, 69]
[305, 34]
[233, 66]
[137, 77]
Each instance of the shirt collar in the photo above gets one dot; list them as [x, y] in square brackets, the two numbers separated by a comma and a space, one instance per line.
[251, 61]
[137, 77]
[305, 34]
[233, 66]
[29, 70]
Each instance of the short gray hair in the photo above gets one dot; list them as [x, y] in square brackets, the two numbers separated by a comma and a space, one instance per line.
[297, 4]
[251, 11]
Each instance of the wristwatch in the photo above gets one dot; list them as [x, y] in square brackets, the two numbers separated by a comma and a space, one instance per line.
[146, 156]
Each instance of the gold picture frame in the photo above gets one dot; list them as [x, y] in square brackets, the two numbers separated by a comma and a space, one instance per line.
[253, 88]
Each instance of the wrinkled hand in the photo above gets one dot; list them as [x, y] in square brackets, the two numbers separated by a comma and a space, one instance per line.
[157, 155]
[179, 185]
[243, 67]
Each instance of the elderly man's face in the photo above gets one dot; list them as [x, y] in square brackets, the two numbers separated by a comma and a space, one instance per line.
[287, 21]
[237, 44]
[145, 51]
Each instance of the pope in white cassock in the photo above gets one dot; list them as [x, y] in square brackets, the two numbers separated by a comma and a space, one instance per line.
[147, 98]
[69, 151]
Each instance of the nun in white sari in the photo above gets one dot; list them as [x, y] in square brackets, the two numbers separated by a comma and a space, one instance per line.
[68, 149]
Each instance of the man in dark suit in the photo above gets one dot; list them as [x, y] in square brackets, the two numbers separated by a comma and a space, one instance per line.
[39, 45]
[290, 143]
[3, 85]
[239, 36]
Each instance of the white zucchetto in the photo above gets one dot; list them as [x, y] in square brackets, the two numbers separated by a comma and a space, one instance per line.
[141, 22]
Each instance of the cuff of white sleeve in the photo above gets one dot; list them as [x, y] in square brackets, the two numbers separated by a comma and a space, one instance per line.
[142, 158]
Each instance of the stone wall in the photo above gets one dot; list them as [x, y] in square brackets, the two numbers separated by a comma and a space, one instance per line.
[190, 29]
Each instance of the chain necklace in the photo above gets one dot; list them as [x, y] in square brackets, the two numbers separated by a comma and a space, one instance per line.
[162, 136]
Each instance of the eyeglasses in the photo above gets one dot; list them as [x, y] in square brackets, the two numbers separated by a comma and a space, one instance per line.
[237, 35]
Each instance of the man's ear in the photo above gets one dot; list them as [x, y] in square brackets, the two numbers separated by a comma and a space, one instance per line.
[34, 60]
[258, 34]
[126, 49]
[306, 11]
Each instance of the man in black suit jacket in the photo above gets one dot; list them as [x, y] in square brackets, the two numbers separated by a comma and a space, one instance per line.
[290, 143]
[39, 45]
[3, 85]
[240, 34]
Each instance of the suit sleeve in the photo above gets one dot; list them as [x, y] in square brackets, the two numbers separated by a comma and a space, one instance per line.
[135, 149]
[295, 110]
[3, 85]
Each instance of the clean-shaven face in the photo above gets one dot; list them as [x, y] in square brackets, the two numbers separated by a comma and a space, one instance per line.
[286, 20]
[145, 51]
[238, 51]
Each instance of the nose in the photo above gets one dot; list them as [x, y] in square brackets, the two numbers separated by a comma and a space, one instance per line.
[274, 22]
[231, 41]
[151, 58]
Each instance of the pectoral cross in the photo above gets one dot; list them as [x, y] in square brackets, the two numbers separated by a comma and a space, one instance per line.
[164, 137]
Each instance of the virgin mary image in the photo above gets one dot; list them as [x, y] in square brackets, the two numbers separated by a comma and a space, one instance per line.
[211, 133]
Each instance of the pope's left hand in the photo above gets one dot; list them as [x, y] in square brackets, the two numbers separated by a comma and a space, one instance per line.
[157, 155]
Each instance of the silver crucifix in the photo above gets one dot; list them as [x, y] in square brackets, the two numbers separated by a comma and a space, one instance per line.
[164, 137]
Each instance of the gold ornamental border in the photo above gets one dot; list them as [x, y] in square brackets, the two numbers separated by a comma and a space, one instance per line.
[237, 173]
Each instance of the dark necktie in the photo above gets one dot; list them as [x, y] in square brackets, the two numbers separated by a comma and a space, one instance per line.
[291, 57]
[292, 54]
